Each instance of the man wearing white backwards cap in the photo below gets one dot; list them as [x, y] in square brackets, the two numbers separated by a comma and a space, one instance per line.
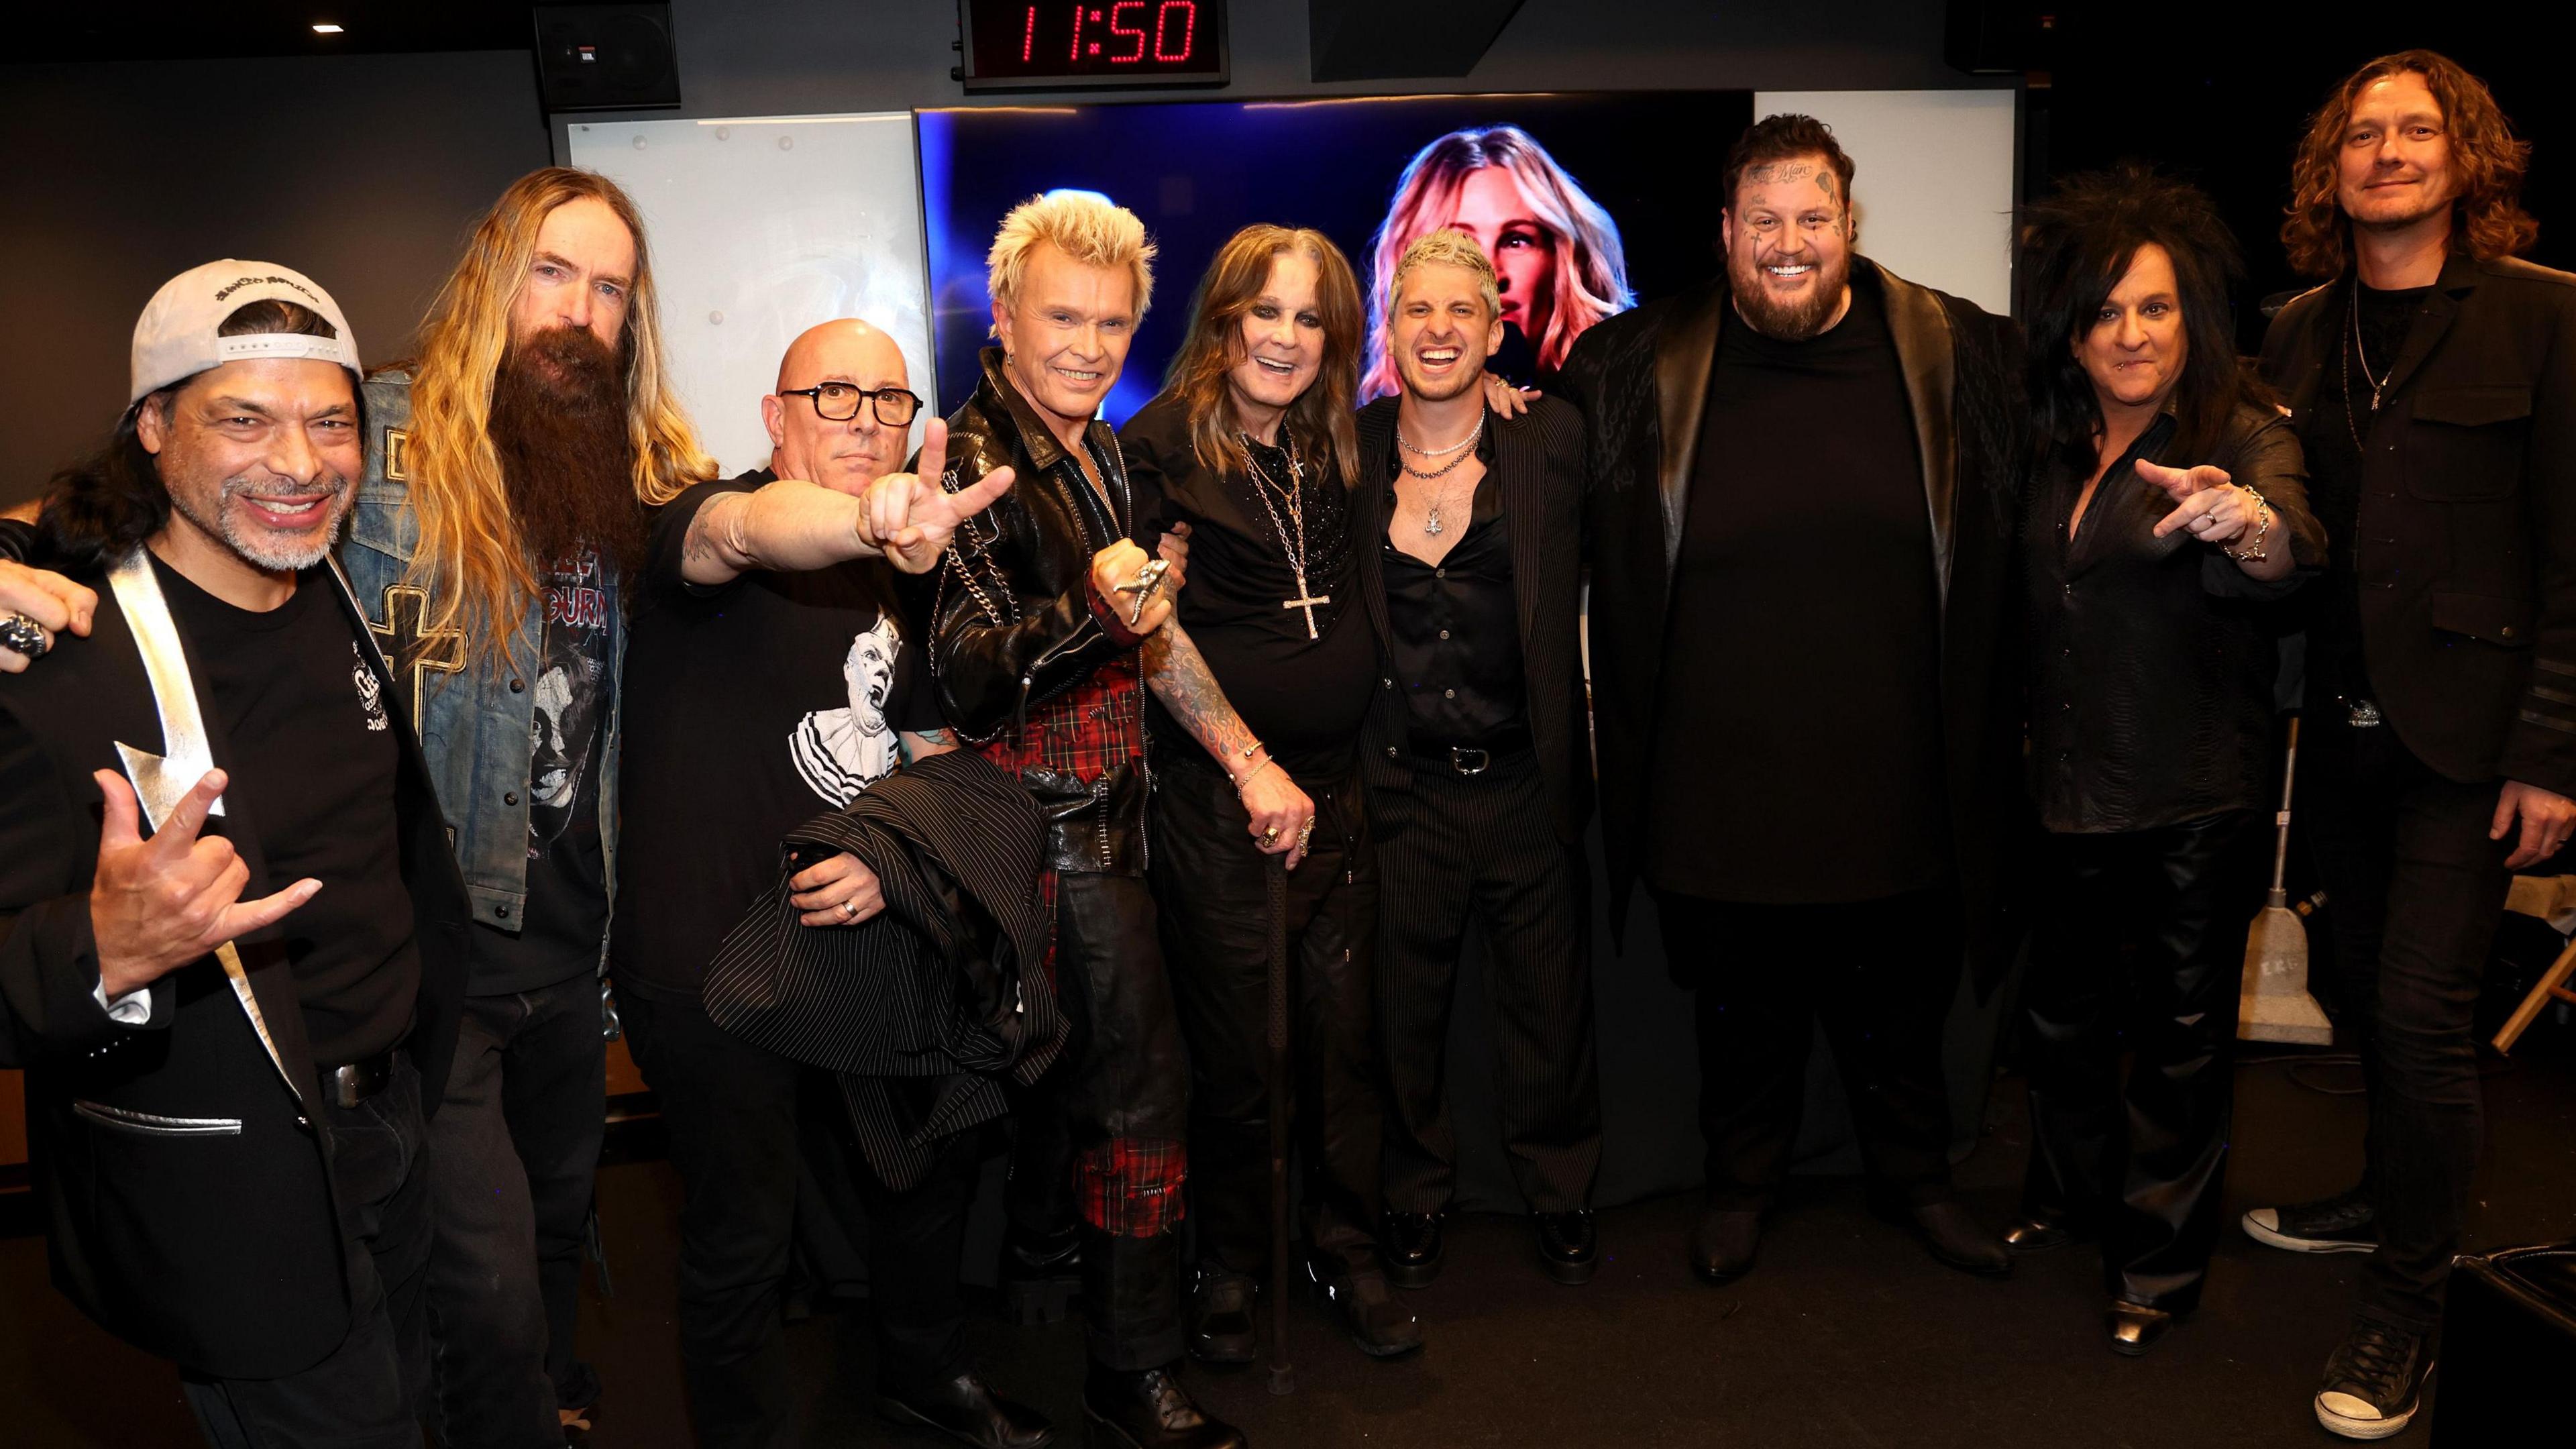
[228, 1113]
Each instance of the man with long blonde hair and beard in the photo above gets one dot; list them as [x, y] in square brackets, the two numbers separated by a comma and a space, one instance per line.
[2428, 379]
[1251, 449]
[508, 470]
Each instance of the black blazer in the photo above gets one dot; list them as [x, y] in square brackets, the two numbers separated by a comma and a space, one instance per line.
[1641, 380]
[188, 1198]
[1538, 460]
[2466, 545]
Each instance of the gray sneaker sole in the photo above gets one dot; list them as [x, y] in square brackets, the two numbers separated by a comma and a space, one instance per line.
[2278, 1239]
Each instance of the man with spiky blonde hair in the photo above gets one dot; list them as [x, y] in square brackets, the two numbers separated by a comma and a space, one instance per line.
[1036, 643]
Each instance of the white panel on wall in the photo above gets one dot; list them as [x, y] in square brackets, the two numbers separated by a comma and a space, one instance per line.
[1935, 181]
[761, 228]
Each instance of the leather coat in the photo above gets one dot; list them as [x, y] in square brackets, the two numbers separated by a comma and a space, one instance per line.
[1017, 631]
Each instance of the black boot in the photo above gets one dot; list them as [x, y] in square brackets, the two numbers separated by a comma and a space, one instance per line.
[967, 1410]
[1221, 1317]
[1148, 1409]
[1041, 1274]
[1382, 1327]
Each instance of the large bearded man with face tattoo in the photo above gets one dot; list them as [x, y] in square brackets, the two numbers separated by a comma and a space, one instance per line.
[1802, 502]
[503, 513]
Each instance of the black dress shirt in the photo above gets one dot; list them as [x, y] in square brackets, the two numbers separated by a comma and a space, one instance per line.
[1456, 638]
[2152, 660]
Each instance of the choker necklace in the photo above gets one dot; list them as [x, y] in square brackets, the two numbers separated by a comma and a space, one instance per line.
[1295, 524]
[1431, 523]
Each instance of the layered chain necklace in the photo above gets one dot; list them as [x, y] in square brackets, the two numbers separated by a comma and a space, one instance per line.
[1291, 530]
[2378, 385]
[1464, 448]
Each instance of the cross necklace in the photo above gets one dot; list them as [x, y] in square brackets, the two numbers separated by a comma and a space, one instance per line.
[1295, 524]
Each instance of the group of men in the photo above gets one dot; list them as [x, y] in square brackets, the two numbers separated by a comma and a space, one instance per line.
[429, 698]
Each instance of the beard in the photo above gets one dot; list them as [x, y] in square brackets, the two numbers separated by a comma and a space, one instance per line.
[559, 427]
[255, 545]
[1787, 321]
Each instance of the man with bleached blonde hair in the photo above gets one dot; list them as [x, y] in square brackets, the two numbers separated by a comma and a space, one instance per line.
[1035, 643]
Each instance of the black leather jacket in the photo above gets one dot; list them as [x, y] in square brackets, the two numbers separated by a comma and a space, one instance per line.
[1016, 629]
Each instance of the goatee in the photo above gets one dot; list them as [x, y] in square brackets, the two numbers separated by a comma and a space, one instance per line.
[559, 426]
[1789, 321]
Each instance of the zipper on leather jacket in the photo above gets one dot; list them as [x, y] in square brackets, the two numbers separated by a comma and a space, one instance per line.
[1029, 676]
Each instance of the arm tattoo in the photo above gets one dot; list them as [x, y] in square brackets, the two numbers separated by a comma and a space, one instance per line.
[1179, 676]
[695, 545]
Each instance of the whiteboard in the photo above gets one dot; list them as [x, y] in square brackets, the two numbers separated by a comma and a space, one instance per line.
[758, 229]
[1934, 181]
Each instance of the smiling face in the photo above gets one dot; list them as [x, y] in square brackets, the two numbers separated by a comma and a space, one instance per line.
[257, 456]
[2395, 166]
[1492, 208]
[1066, 334]
[1279, 346]
[1789, 247]
[2135, 349]
[1441, 332]
[581, 275]
[847, 456]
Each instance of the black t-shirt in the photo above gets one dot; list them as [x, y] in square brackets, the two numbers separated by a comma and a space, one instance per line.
[314, 756]
[566, 915]
[1302, 695]
[753, 706]
[1455, 625]
[1798, 747]
[2332, 439]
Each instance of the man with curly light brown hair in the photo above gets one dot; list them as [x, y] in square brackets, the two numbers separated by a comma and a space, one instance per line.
[2431, 379]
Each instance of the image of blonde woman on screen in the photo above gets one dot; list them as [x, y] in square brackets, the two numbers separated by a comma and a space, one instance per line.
[1555, 251]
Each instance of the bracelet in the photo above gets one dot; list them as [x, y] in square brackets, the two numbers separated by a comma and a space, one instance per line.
[1246, 777]
[2253, 552]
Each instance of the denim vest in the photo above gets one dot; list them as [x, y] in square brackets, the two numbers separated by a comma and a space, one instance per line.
[476, 723]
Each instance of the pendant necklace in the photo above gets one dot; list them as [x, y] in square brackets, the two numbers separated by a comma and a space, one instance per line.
[1431, 523]
[2378, 385]
[1262, 484]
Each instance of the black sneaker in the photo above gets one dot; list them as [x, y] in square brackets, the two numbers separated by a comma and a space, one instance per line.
[2343, 1223]
[2374, 1382]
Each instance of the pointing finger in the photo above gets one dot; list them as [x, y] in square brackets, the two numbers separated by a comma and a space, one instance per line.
[178, 833]
[241, 920]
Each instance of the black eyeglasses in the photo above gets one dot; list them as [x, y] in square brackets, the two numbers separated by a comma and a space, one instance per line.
[838, 402]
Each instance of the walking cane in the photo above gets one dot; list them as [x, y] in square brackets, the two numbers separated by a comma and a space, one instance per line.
[1283, 1379]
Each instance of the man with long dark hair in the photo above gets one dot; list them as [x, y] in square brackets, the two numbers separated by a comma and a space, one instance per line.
[2167, 515]
[2429, 379]
[1249, 447]
[1799, 576]
[230, 1121]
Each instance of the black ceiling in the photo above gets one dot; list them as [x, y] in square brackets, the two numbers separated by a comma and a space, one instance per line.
[215, 29]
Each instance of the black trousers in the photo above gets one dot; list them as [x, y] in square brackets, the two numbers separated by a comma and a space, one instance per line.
[1116, 1108]
[367, 1394]
[732, 1110]
[2142, 1165]
[1213, 886]
[517, 1141]
[2416, 892]
[1878, 974]
[1460, 848]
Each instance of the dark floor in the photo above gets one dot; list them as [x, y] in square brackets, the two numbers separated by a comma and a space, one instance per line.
[1845, 1334]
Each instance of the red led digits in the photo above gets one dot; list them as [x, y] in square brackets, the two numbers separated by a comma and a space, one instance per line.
[1126, 32]
[1162, 27]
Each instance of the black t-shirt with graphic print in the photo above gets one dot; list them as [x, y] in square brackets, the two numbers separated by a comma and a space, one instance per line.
[314, 757]
[566, 913]
[754, 706]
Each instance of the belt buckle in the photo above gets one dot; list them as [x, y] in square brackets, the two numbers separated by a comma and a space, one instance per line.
[2359, 713]
[346, 1085]
[1458, 760]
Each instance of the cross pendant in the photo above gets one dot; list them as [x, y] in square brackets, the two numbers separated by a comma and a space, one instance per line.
[1308, 604]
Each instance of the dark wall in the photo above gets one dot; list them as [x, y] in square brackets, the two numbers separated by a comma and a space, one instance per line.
[361, 171]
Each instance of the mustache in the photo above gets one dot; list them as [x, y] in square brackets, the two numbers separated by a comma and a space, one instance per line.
[243, 486]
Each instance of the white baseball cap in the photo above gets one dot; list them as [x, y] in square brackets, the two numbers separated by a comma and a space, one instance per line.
[176, 337]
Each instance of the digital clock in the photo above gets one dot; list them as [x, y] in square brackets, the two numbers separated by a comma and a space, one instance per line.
[1091, 44]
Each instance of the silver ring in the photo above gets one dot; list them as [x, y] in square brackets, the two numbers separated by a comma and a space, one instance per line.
[24, 635]
[849, 910]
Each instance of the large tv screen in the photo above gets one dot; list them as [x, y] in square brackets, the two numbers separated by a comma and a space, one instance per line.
[1576, 197]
